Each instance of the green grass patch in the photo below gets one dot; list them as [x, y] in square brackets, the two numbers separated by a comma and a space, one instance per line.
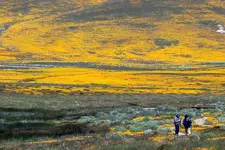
[140, 145]
[162, 43]
[218, 10]
[208, 23]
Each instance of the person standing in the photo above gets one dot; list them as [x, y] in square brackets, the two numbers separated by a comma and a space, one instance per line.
[177, 123]
[187, 124]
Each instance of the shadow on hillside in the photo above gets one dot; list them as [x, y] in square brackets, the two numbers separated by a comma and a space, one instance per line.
[119, 9]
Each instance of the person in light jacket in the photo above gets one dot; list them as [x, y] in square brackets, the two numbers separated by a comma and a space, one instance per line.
[177, 123]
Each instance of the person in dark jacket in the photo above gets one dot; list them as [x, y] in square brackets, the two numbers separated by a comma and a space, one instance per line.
[177, 123]
[187, 124]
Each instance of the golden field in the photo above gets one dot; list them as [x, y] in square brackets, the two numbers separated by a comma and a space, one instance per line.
[94, 80]
[120, 33]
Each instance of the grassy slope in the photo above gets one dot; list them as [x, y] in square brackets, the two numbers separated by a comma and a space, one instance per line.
[122, 32]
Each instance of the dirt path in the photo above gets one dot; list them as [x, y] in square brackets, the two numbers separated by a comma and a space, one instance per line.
[201, 121]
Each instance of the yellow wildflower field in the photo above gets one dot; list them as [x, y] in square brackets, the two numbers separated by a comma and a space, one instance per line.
[189, 82]
[132, 33]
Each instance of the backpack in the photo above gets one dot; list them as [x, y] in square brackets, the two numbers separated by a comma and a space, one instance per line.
[187, 121]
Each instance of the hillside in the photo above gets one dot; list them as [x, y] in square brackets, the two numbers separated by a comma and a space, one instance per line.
[176, 39]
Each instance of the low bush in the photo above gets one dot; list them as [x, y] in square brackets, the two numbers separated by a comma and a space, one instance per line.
[119, 128]
[140, 145]
[208, 23]
[102, 116]
[218, 10]
[148, 132]
[126, 122]
[153, 125]
[144, 125]
[115, 136]
[136, 128]
[86, 119]
[221, 119]
[194, 136]
[222, 127]
[164, 130]
[208, 135]
[106, 123]
[146, 111]
[96, 123]
[146, 118]
[190, 112]
[164, 42]
[195, 143]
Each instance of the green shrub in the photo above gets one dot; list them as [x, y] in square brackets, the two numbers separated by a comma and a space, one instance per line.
[95, 123]
[43, 147]
[119, 128]
[172, 109]
[122, 116]
[218, 10]
[164, 42]
[115, 136]
[167, 121]
[146, 118]
[148, 125]
[147, 111]
[126, 122]
[148, 132]
[145, 125]
[135, 128]
[132, 122]
[106, 123]
[222, 118]
[86, 119]
[195, 136]
[153, 125]
[164, 130]
[207, 23]
[205, 136]
[194, 143]
[102, 116]
[140, 145]
[190, 112]
[222, 127]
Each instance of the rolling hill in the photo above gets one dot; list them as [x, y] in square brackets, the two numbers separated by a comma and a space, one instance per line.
[153, 46]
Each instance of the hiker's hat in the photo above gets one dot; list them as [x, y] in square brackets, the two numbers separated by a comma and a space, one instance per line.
[177, 115]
